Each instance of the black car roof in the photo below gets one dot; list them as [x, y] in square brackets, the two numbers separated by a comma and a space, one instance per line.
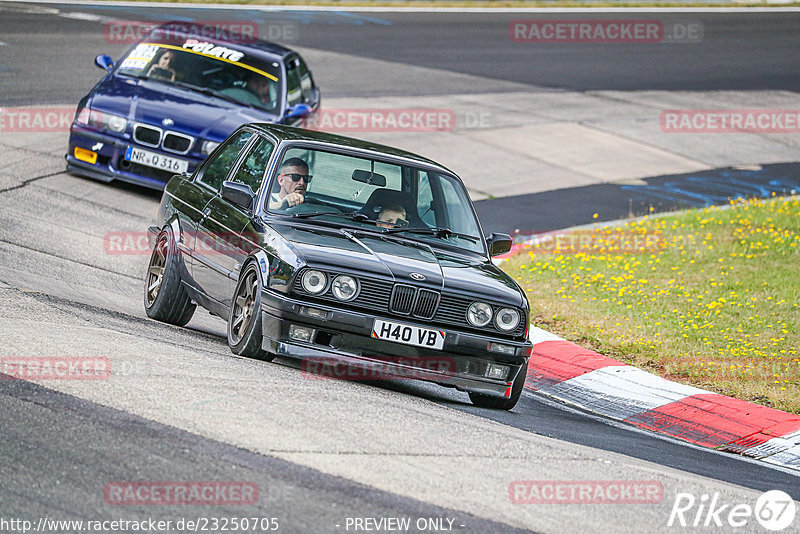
[289, 133]
[179, 29]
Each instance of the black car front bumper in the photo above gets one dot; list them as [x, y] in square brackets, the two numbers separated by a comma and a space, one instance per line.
[343, 338]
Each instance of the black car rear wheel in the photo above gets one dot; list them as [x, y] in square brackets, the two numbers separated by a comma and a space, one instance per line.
[497, 403]
[244, 322]
[165, 298]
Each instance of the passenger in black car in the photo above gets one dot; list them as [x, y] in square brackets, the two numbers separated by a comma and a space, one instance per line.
[391, 216]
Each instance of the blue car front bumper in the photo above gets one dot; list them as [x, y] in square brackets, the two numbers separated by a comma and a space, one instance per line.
[110, 161]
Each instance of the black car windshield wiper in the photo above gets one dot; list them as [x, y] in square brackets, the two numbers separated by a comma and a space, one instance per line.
[437, 232]
[352, 216]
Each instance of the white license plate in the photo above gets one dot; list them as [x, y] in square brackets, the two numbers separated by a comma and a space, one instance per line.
[156, 160]
[408, 334]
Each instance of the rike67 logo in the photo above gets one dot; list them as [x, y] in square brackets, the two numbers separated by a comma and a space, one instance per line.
[774, 510]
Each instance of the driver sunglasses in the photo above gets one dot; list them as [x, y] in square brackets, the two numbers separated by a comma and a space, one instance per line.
[297, 177]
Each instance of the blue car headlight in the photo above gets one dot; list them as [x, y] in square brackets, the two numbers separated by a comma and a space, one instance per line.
[101, 120]
[208, 147]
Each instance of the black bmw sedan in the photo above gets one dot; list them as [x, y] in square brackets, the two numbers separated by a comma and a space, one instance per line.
[345, 254]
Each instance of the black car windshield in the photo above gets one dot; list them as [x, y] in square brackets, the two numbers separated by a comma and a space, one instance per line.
[214, 70]
[376, 196]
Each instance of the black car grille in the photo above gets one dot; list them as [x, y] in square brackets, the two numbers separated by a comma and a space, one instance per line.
[409, 300]
[427, 302]
[402, 299]
[384, 297]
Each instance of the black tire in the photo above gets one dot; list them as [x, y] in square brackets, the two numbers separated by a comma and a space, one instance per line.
[497, 403]
[244, 319]
[165, 298]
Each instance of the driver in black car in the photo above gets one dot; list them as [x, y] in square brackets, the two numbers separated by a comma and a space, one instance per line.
[293, 179]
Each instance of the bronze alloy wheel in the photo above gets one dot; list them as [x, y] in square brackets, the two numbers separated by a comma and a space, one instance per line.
[165, 297]
[244, 321]
[155, 271]
[243, 306]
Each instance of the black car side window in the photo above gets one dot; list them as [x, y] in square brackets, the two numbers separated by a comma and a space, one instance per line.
[251, 171]
[216, 171]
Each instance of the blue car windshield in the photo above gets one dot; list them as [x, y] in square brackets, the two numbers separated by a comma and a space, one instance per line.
[375, 196]
[213, 70]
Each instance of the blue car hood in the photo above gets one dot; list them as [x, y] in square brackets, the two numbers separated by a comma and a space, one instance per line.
[193, 113]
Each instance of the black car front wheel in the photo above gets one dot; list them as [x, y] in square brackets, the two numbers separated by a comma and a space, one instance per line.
[244, 321]
[486, 401]
[165, 298]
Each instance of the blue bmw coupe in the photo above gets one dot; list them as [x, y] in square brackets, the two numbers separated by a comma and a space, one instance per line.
[174, 96]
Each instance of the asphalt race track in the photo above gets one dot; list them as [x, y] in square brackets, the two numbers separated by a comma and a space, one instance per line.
[179, 406]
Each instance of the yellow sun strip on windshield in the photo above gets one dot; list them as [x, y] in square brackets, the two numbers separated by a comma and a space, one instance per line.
[248, 67]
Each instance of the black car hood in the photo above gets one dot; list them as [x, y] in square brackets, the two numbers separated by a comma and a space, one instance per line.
[193, 113]
[399, 259]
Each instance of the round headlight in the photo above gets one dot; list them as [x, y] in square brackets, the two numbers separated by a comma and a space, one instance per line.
[344, 287]
[314, 282]
[479, 314]
[507, 319]
[208, 147]
[117, 124]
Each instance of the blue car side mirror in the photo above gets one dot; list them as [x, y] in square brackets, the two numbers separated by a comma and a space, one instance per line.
[298, 111]
[104, 62]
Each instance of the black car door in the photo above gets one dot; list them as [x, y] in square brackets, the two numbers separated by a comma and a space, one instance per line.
[223, 247]
[209, 178]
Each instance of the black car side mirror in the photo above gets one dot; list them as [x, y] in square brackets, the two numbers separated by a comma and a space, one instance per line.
[238, 194]
[498, 243]
[104, 62]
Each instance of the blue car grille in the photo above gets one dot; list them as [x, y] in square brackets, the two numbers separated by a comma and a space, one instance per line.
[175, 142]
[147, 135]
[384, 297]
[155, 137]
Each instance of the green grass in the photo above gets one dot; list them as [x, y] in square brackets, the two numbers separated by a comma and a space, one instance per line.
[706, 297]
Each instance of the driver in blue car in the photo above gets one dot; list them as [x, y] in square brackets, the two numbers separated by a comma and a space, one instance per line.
[261, 87]
[293, 179]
